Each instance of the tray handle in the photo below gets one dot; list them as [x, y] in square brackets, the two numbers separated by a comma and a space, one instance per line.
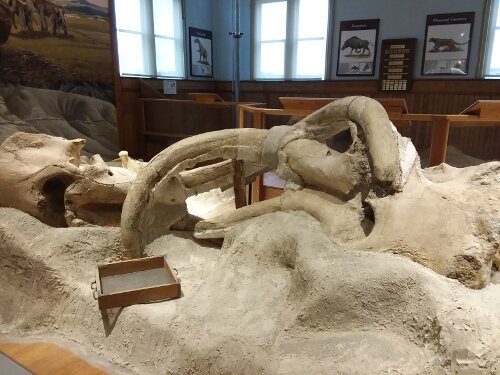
[176, 274]
[93, 286]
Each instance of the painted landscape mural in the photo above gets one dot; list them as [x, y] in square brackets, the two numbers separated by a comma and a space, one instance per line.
[56, 72]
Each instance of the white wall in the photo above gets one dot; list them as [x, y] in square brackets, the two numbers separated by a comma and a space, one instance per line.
[398, 19]
[198, 14]
[406, 19]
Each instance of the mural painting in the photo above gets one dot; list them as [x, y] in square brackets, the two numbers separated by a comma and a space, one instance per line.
[56, 72]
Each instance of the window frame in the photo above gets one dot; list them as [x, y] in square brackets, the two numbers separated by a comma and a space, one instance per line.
[256, 38]
[149, 36]
[491, 26]
[290, 43]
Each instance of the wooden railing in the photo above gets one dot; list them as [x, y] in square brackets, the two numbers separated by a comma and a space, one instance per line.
[163, 122]
[481, 113]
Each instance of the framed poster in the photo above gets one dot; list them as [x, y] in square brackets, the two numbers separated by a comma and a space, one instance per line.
[357, 47]
[447, 44]
[200, 52]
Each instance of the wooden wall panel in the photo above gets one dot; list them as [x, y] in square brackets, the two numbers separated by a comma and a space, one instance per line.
[130, 122]
[426, 96]
[128, 93]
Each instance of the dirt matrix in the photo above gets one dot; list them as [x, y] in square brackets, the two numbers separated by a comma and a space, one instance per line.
[279, 297]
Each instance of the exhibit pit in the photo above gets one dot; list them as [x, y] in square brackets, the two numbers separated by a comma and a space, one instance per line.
[392, 270]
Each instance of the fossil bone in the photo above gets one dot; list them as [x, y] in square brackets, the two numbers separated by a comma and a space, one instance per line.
[46, 177]
[371, 197]
[156, 200]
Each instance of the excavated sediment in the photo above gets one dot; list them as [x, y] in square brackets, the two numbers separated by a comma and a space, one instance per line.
[279, 297]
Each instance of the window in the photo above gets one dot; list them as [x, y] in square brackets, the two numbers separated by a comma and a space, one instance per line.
[290, 39]
[493, 46]
[150, 37]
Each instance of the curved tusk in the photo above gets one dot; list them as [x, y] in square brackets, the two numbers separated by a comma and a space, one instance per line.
[152, 206]
[241, 144]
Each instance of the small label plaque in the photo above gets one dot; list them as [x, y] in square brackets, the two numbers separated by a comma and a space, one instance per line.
[396, 65]
[169, 87]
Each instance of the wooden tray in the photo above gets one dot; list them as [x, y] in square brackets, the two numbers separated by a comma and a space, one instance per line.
[135, 281]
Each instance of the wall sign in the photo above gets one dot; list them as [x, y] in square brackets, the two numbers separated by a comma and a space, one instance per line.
[200, 52]
[447, 44]
[169, 87]
[357, 47]
[396, 64]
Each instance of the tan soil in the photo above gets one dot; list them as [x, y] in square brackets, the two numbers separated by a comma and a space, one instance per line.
[278, 298]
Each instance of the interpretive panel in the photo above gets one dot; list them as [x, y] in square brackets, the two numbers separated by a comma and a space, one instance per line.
[357, 47]
[200, 52]
[447, 44]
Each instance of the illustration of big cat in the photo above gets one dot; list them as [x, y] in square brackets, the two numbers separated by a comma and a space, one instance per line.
[445, 45]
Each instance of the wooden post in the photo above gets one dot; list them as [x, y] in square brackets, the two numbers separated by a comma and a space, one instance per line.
[258, 184]
[258, 120]
[439, 141]
[240, 199]
[241, 118]
[257, 189]
[142, 129]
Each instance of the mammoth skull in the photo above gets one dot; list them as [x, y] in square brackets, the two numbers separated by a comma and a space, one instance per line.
[46, 177]
[372, 197]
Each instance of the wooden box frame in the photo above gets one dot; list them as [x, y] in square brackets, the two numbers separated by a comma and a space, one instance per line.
[141, 295]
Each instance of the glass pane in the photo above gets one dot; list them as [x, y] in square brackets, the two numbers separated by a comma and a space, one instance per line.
[273, 21]
[313, 18]
[494, 67]
[128, 15]
[163, 12]
[130, 53]
[310, 59]
[165, 56]
[272, 60]
[498, 14]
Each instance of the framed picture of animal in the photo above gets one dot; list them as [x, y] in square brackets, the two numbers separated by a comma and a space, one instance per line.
[447, 44]
[200, 53]
[357, 47]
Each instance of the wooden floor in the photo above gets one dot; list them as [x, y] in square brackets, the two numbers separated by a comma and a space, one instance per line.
[48, 359]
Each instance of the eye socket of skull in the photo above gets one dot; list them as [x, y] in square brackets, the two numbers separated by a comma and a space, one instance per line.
[340, 142]
[52, 205]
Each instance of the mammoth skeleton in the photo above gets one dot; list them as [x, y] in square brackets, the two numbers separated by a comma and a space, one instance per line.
[371, 197]
[374, 196]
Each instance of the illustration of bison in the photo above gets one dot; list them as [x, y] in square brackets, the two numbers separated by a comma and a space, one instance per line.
[48, 9]
[358, 45]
